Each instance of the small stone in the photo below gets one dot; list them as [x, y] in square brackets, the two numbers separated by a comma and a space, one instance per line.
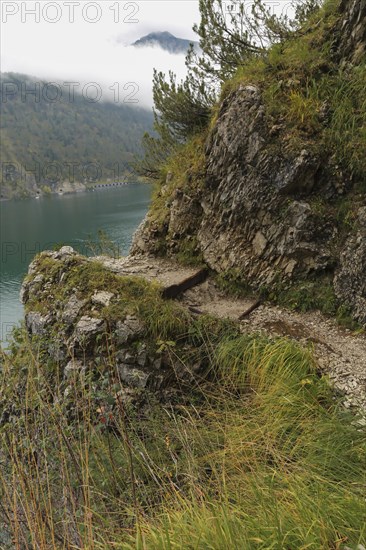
[142, 356]
[128, 330]
[89, 326]
[102, 298]
[73, 367]
[259, 243]
[125, 356]
[64, 252]
[72, 309]
[290, 267]
[133, 377]
[57, 350]
[36, 323]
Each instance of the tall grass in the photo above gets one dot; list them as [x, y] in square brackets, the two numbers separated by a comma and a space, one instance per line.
[260, 457]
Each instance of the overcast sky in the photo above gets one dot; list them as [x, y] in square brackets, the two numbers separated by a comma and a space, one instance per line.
[84, 41]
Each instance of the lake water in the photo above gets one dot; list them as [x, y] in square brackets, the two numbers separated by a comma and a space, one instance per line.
[30, 226]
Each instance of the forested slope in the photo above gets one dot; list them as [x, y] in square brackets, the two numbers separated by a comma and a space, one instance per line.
[68, 138]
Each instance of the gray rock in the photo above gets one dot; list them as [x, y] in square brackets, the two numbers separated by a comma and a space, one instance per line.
[57, 349]
[87, 328]
[72, 309]
[102, 298]
[350, 278]
[24, 293]
[352, 30]
[245, 216]
[65, 252]
[30, 288]
[128, 330]
[36, 323]
[134, 377]
[298, 176]
[142, 355]
[259, 243]
[184, 210]
[126, 356]
[73, 367]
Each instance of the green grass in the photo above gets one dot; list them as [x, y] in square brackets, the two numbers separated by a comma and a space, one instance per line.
[183, 172]
[189, 253]
[186, 169]
[259, 455]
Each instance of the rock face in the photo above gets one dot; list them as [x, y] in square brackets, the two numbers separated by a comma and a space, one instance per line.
[352, 45]
[254, 229]
[258, 210]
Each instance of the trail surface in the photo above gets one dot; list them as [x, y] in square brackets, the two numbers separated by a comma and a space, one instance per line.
[340, 353]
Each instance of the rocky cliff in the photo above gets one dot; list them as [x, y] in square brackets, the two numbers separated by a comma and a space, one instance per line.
[258, 211]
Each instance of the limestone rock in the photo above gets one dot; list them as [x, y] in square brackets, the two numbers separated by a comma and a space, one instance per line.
[352, 30]
[251, 221]
[259, 243]
[297, 176]
[184, 210]
[73, 367]
[87, 328]
[28, 289]
[36, 323]
[129, 329]
[102, 298]
[134, 377]
[77, 338]
[64, 252]
[72, 309]
[350, 278]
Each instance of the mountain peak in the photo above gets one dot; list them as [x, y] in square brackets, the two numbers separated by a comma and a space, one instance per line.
[166, 41]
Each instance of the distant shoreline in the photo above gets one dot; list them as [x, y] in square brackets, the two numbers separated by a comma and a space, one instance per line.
[68, 191]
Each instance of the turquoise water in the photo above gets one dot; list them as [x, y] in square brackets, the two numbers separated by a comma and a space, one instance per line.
[32, 225]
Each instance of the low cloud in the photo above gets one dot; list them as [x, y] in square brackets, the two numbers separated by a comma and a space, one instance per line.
[123, 73]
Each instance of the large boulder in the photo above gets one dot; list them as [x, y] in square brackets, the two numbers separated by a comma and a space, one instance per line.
[254, 220]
